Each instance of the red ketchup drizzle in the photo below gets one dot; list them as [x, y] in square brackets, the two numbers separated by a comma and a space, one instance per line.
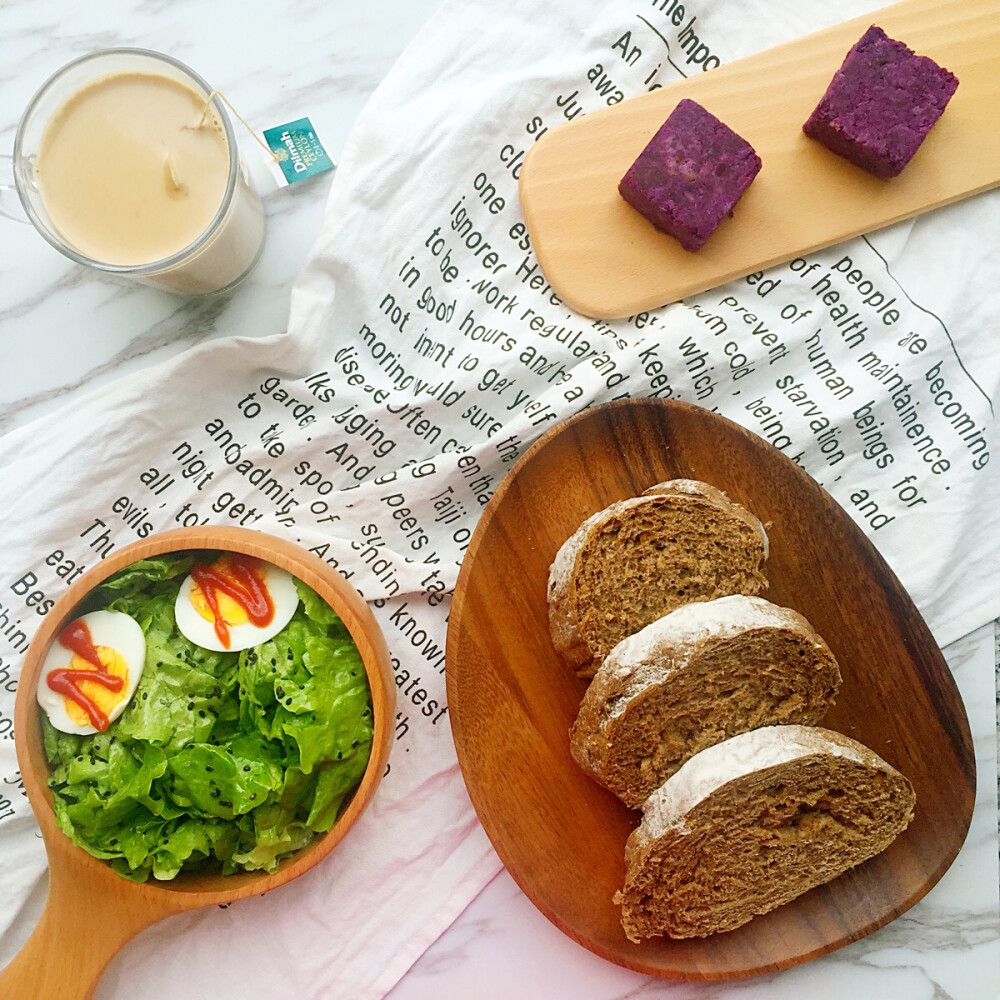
[235, 578]
[76, 637]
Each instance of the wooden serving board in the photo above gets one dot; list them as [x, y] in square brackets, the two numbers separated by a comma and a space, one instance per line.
[512, 701]
[604, 259]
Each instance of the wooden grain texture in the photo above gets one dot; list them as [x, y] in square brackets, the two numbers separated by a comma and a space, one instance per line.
[91, 912]
[512, 701]
[604, 259]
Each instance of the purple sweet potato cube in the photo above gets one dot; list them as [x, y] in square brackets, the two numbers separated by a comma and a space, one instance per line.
[690, 175]
[881, 104]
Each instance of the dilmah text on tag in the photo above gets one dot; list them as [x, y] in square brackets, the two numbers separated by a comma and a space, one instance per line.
[297, 150]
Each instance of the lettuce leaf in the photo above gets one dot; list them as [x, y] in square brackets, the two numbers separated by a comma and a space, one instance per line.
[222, 761]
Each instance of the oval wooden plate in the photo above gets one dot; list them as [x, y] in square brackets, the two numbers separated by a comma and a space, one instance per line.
[91, 912]
[512, 702]
[604, 259]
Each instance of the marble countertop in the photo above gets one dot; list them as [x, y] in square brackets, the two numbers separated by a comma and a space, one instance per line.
[65, 331]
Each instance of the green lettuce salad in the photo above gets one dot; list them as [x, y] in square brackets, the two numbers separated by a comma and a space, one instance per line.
[225, 760]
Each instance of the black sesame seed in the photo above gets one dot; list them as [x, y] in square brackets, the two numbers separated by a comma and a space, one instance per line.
[354, 744]
[246, 767]
[208, 767]
[274, 662]
[190, 706]
[201, 713]
[291, 655]
[280, 692]
[252, 796]
[288, 701]
[215, 793]
[227, 805]
[340, 755]
[145, 695]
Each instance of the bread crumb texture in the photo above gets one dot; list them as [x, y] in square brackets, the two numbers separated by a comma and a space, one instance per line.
[754, 822]
[640, 558]
[693, 678]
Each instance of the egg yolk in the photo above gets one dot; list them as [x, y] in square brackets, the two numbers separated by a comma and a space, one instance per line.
[114, 663]
[231, 611]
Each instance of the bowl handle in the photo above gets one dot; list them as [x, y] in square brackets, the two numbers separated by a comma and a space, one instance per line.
[90, 914]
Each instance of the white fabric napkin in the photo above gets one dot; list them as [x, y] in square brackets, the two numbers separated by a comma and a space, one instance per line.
[424, 353]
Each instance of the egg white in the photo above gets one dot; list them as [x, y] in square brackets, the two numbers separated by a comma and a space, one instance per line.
[107, 628]
[284, 596]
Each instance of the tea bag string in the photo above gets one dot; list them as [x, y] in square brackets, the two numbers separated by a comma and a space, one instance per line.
[225, 100]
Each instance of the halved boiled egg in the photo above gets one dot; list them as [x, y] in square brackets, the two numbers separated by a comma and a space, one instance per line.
[109, 646]
[235, 602]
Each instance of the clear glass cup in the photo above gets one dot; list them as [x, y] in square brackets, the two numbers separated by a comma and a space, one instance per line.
[224, 253]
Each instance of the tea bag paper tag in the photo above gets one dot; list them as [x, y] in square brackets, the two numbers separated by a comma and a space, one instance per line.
[298, 151]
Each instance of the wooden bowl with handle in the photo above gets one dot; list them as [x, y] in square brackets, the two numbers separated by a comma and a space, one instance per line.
[65, 956]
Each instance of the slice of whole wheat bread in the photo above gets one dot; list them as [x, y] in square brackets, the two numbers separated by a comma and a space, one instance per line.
[751, 823]
[638, 559]
[702, 673]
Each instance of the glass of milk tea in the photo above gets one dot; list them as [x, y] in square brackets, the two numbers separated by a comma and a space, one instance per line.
[124, 161]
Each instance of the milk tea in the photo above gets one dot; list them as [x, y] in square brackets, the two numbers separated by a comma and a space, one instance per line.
[134, 167]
